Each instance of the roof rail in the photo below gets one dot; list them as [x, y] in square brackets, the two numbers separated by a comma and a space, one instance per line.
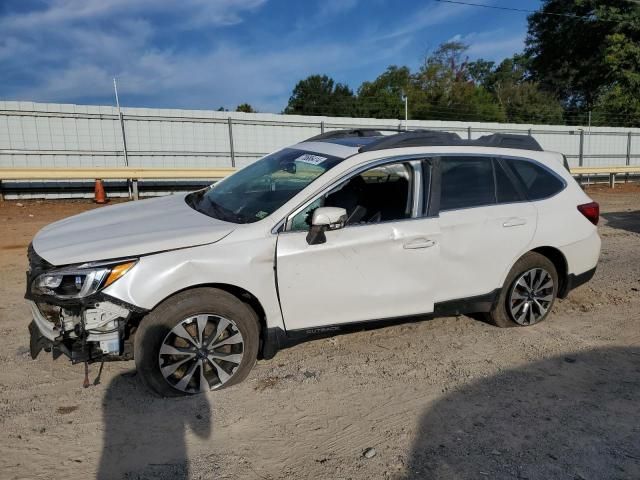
[416, 138]
[508, 140]
[428, 138]
[351, 132]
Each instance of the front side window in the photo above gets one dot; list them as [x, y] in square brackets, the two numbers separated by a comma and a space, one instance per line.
[383, 193]
[538, 182]
[466, 182]
[258, 190]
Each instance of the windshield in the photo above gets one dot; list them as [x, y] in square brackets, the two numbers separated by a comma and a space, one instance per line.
[258, 190]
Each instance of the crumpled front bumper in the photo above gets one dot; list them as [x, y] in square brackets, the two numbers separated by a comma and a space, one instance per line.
[46, 329]
[90, 334]
[84, 329]
[37, 341]
[42, 332]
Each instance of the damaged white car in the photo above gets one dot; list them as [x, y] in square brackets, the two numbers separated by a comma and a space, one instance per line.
[347, 230]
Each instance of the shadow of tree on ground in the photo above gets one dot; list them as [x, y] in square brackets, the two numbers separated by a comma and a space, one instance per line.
[629, 221]
[569, 417]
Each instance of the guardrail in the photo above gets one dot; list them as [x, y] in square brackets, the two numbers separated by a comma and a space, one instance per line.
[134, 174]
[122, 173]
[611, 171]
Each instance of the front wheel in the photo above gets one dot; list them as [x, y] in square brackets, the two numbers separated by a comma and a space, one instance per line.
[528, 292]
[198, 340]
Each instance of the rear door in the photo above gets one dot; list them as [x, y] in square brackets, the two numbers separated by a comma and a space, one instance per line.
[485, 223]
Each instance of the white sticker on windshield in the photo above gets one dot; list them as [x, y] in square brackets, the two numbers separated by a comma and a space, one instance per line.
[311, 159]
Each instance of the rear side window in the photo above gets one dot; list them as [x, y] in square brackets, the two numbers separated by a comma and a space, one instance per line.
[506, 191]
[466, 182]
[538, 182]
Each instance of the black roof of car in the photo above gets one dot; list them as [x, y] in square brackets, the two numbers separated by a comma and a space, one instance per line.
[373, 139]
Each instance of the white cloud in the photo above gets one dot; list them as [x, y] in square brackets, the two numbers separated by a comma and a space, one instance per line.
[75, 59]
[431, 15]
[228, 75]
[70, 51]
[185, 12]
[336, 7]
[493, 44]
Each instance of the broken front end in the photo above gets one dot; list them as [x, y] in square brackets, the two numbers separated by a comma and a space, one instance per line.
[72, 317]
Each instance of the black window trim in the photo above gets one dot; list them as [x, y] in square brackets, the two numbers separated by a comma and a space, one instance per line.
[503, 160]
[430, 206]
[500, 162]
[431, 201]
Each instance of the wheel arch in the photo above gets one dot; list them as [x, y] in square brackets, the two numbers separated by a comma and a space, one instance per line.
[241, 294]
[559, 261]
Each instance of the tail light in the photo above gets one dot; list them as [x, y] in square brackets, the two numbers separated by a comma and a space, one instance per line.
[591, 211]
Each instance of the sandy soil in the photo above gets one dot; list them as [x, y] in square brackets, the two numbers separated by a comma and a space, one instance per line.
[446, 398]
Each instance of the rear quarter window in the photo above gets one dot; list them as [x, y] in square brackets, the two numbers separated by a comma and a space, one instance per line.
[538, 182]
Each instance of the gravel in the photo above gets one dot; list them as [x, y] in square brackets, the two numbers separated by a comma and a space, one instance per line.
[444, 398]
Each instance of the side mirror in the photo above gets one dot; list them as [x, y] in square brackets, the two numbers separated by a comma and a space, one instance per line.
[323, 219]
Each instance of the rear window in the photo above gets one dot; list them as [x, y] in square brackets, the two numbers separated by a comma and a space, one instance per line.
[537, 181]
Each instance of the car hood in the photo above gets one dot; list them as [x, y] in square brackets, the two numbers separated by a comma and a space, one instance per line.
[127, 230]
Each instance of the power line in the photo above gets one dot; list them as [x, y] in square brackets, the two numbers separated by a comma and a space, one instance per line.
[523, 10]
[457, 107]
[476, 112]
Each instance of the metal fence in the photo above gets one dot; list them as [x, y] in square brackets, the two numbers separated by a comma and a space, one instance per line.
[61, 135]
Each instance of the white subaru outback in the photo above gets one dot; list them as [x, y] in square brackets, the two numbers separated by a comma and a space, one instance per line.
[347, 230]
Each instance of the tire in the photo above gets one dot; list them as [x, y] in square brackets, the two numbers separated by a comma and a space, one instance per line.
[514, 293]
[206, 327]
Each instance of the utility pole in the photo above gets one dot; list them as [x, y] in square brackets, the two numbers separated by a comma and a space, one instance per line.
[124, 141]
[406, 110]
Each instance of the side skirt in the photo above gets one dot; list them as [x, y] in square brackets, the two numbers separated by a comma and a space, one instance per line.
[276, 339]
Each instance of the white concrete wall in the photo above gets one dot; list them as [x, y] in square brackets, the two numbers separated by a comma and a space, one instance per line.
[50, 135]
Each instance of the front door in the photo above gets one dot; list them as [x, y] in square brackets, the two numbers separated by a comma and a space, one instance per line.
[382, 264]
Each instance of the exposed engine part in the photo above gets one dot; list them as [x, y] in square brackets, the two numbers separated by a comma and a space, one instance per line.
[68, 320]
[87, 334]
[102, 317]
[102, 323]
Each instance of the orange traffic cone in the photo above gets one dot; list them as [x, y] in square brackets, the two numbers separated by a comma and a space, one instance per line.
[100, 195]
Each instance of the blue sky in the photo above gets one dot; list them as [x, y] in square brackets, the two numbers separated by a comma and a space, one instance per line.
[202, 54]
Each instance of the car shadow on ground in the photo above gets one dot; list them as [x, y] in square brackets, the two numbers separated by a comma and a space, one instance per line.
[572, 417]
[145, 436]
[629, 221]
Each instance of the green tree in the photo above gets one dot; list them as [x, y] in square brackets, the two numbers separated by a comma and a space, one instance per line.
[382, 98]
[320, 95]
[521, 99]
[245, 108]
[619, 103]
[447, 89]
[480, 70]
[586, 53]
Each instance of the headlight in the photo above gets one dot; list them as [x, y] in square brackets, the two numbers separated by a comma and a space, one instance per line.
[80, 281]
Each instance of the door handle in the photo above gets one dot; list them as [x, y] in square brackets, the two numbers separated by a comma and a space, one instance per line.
[514, 222]
[419, 243]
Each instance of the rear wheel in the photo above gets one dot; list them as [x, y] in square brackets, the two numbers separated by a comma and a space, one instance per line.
[199, 340]
[528, 293]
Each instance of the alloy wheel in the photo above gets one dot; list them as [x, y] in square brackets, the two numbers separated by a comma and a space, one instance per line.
[531, 296]
[201, 353]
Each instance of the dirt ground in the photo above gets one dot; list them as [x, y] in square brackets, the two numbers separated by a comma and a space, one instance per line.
[446, 398]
